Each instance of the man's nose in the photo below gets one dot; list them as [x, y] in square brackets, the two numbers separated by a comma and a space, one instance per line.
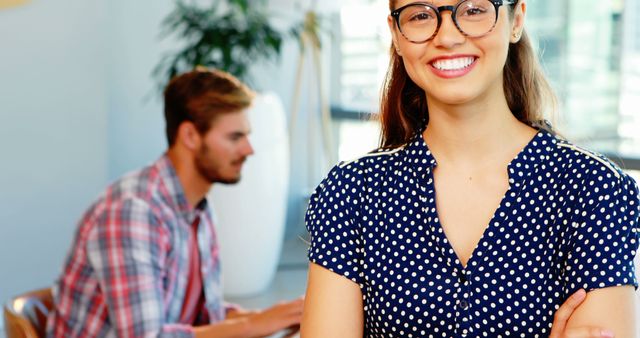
[249, 148]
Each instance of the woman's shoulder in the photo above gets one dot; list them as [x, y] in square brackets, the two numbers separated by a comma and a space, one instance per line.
[366, 167]
[588, 162]
[598, 175]
[375, 157]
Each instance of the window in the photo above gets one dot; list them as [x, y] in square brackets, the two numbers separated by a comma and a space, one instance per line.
[629, 129]
[362, 55]
[590, 50]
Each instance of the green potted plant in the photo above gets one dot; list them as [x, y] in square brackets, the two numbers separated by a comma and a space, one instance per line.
[233, 35]
[229, 35]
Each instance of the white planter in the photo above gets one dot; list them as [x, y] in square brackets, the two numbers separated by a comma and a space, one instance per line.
[250, 216]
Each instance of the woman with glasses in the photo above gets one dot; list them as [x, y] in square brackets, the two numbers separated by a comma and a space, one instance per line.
[473, 219]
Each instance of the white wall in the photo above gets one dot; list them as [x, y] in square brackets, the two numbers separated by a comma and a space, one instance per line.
[136, 122]
[74, 76]
[53, 133]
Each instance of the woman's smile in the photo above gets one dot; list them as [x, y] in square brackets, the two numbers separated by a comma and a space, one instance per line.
[452, 66]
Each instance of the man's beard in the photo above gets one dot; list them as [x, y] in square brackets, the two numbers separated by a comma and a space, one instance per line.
[210, 171]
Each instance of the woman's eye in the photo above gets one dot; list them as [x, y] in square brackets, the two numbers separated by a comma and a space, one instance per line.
[421, 16]
[473, 11]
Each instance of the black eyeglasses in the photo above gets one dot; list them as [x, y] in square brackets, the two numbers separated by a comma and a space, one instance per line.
[419, 22]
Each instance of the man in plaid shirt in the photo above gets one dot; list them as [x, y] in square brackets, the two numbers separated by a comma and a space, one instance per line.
[144, 261]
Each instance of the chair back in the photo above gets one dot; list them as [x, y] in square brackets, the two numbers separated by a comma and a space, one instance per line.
[25, 316]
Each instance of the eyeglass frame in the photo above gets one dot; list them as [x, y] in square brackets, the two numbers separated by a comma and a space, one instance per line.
[496, 4]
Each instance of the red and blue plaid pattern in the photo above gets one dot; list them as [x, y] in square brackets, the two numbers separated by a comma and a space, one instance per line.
[127, 272]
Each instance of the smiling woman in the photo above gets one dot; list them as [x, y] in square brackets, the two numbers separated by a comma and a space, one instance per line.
[473, 218]
[598, 93]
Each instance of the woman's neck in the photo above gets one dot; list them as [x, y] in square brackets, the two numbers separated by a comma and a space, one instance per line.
[471, 133]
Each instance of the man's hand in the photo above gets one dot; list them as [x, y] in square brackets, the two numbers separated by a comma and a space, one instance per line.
[285, 315]
[239, 312]
[560, 319]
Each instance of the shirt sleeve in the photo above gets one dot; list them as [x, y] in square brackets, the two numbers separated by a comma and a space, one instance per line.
[331, 222]
[605, 240]
[127, 249]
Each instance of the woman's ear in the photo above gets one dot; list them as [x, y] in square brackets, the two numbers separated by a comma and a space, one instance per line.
[189, 136]
[394, 34]
[518, 21]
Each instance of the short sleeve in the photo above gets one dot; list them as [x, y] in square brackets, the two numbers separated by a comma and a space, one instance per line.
[606, 236]
[331, 222]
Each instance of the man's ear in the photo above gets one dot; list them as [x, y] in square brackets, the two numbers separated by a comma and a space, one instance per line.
[189, 136]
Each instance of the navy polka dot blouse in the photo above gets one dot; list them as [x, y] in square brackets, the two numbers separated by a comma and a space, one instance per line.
[569, 220]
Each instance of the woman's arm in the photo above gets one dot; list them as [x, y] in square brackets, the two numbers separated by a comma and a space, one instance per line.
[601, 256]
[612, 307]
[333, 306]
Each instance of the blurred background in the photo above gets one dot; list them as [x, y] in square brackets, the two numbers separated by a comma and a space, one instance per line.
[80, 106]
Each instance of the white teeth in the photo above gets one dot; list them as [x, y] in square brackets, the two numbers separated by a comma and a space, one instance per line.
[453, 64]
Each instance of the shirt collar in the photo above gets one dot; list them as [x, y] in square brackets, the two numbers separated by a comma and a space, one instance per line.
[418, 153]
[535, 152]
[175, 192]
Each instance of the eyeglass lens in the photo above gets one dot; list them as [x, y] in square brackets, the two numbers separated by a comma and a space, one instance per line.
[420, 22]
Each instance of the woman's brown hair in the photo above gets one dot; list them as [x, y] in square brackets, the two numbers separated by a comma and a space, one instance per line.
[403, 104]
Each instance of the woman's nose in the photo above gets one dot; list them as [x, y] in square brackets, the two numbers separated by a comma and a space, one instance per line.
[448, 35]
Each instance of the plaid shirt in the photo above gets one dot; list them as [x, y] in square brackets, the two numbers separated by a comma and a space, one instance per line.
[127, 271]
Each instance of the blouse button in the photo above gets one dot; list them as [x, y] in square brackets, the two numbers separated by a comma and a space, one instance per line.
[462, 276]
[464, 304]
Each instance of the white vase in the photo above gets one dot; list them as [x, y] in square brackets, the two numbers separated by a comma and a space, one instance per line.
[250, 215]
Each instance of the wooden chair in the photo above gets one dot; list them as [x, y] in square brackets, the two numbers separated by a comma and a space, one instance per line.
[25, 316]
